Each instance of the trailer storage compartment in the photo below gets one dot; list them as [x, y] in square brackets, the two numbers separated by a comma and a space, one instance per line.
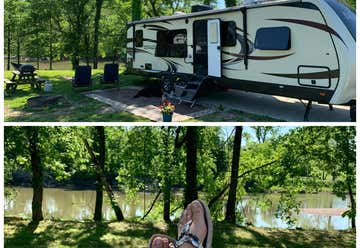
[314, 76]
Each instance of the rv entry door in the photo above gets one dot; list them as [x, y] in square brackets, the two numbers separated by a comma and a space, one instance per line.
[214, 48]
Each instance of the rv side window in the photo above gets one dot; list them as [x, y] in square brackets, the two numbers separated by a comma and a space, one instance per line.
[171, 43]
[228, 34]
[138, 38]
[276, 38]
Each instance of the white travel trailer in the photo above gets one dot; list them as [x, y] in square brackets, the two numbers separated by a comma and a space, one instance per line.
[303, 49]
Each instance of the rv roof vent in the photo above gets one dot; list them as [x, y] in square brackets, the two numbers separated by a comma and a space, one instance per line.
[200, 7]
[179, 13]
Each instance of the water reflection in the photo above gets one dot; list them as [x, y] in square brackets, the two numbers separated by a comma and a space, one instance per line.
[262, 215]
[79, 205]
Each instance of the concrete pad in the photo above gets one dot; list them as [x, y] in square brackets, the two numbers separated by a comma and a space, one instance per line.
[283, 108]
[122, 99]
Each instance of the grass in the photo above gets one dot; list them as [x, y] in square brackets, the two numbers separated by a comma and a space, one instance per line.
[77, 106]
[56, 233]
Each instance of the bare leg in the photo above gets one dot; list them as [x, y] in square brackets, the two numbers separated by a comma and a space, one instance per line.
[194, 212]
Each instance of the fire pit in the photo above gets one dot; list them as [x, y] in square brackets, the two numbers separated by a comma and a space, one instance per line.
[45, 101]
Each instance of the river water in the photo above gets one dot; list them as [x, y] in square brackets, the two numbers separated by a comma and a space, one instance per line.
[79, 205]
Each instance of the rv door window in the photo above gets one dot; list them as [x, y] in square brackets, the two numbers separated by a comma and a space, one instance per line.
[171, 43]
[228, 34]
[138, 38]
[214, 33]
[276, 38]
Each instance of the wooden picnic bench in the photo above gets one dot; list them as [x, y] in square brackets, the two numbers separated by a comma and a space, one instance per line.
[23, 79]
[11, 85]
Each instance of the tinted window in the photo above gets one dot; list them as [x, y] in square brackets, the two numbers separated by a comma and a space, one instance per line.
[277, 38]
[138, 38]
[171, 43]
[228, 34]
[346, 14]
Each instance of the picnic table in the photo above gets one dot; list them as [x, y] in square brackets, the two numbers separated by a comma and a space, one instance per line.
[21, 78]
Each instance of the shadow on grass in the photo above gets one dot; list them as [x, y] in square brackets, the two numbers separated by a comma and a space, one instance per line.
[19, 233]
[234, 236]
[77, 107]
[24, 235]
[80, 234]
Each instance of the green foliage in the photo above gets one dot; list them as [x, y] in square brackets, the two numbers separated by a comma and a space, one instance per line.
[42, 30]
[136, 9]
[60, 150]
[230, 3]
[303, 160]
[352, 3]
[287, 208]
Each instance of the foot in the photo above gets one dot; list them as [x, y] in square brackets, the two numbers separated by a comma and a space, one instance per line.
[161, 242]
[196, 213]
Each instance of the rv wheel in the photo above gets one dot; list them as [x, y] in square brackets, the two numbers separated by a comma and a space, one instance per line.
[167, 83]
[353, 113]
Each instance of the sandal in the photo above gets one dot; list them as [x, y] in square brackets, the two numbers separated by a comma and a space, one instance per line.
[187, 237]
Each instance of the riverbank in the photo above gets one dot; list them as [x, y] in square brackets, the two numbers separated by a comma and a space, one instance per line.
[50, 233]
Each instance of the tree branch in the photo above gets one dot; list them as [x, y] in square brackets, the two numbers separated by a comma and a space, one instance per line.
[222, 192]
[257, 168]
[152, 205]
[179, 144]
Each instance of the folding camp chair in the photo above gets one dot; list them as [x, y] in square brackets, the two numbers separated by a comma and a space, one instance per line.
[111, 74]
[82, 76]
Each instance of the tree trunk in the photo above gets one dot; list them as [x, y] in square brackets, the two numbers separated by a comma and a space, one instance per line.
[18, 49]
[37, 56]
[154, 11]
[100, 139]
[37, 174]
[9, 48]
[352, 204]
[231, 202]
[350, 171]
[96, 32]
[136, 9]
[77, 40]
[114, 56]
[50, 45]
[190, 192]
[167, 182]
[118, 213]
[167, 197]
[87, 49]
